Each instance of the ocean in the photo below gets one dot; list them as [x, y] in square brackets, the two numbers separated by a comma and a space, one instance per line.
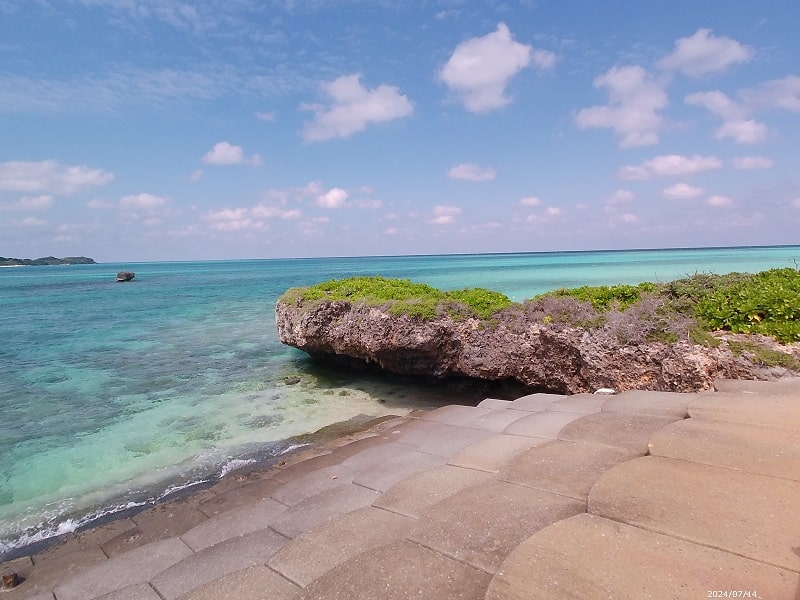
[115, 395]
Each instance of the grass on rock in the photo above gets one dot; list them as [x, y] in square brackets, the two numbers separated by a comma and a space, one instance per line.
[689, 308]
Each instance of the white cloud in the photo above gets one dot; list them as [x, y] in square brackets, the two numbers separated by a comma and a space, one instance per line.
[352, 108]
[266, 116]
[50, 177]
[796, 202]
[196, 175]
[777, 93]
[621, 197]
[29, 203]
[719, 201]
[99, 204]
[391, 231]
[232, 219]
[550, 213]
[752, 162]
[444, 215]
[530, 201]
[224, 153]
[146, 202]
[333, 198]
[670, 165]
[718, 103]
[682, 191]
[480, 68]
[705, 53]
[634, 99]
[264, 211]
[472, 172]
[32, 222]
[743, 132]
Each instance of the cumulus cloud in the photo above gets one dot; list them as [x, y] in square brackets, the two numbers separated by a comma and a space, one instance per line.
[620, 197]
[752, 162]
[480, 69]
[224, 153]
[704, 53]
[444, 215]
[670, 165]
[232, 219]
[530, 201]
[743, 132]
[778, 93]
[333, 198]
[796, 202]
[352, 108]
[472, 172]
[547, 215]
[145, 202]
[719, 201]
[50, 177]
[682, 191]
[29, 203]
[634, 99]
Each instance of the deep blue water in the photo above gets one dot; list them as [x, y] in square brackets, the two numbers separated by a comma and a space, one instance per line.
[113, 394]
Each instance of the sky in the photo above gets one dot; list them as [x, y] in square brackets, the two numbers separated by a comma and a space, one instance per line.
[149, 130]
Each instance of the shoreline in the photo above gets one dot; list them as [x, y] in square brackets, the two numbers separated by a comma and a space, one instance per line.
[298, 448]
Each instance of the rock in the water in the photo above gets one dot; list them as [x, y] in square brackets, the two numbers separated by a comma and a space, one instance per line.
[556, 357]
[125, 276]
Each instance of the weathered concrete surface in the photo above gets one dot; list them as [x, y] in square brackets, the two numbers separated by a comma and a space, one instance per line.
[380, 515]
[745, 514]
[591, 557]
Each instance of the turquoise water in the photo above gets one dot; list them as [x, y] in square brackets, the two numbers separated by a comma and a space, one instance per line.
[113, 395]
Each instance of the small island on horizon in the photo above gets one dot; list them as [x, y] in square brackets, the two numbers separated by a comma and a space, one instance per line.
[47, 260]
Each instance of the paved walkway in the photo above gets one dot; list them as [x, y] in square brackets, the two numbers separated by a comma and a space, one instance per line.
[638, 495]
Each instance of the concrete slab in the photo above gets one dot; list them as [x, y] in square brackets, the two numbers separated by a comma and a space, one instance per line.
[317, 509]
[126, 570]
[313, 483]
[298, 469]
[566, 468]
[580, 403]
[545, 425]
[761, 450]
[400, 571]
[217, 561]
[493, 453]
[494, 404]
[374, 457]
[785, 387]
[40, 596]
[646, 402]
[631, 432]
[168, 520]
[239, 496]
[251, 583]
[483, 523]
[316, 552]
[233, 523]
[414, 495]
[752, 409]
[382, 477]
[749, 515]
[438, 438]
[455, 414]
[535, 402]
[137, 592]
[591, 557]
[496, 421]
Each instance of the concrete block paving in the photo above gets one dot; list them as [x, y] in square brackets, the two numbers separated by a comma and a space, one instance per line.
[637, 495]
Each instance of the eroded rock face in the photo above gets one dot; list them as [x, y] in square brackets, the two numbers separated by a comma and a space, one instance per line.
[555, 357]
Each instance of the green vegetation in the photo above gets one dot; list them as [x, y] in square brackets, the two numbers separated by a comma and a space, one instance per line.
[47, 260]
[767, 303]
[402, 297]
[690, 308]
[764, 356]
[605, 297]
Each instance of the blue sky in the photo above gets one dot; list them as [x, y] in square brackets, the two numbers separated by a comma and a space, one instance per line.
[176, 130]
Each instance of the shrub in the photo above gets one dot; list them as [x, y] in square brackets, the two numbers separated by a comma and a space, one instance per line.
[606, 297]
[402, 297]
[767, 302]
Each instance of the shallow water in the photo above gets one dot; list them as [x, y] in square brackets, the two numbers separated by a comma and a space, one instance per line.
[113, 394]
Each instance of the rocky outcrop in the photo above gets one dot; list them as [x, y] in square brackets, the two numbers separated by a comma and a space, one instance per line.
[555, 357]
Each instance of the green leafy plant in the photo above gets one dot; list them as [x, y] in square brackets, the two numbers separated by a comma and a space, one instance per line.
[606, 297]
